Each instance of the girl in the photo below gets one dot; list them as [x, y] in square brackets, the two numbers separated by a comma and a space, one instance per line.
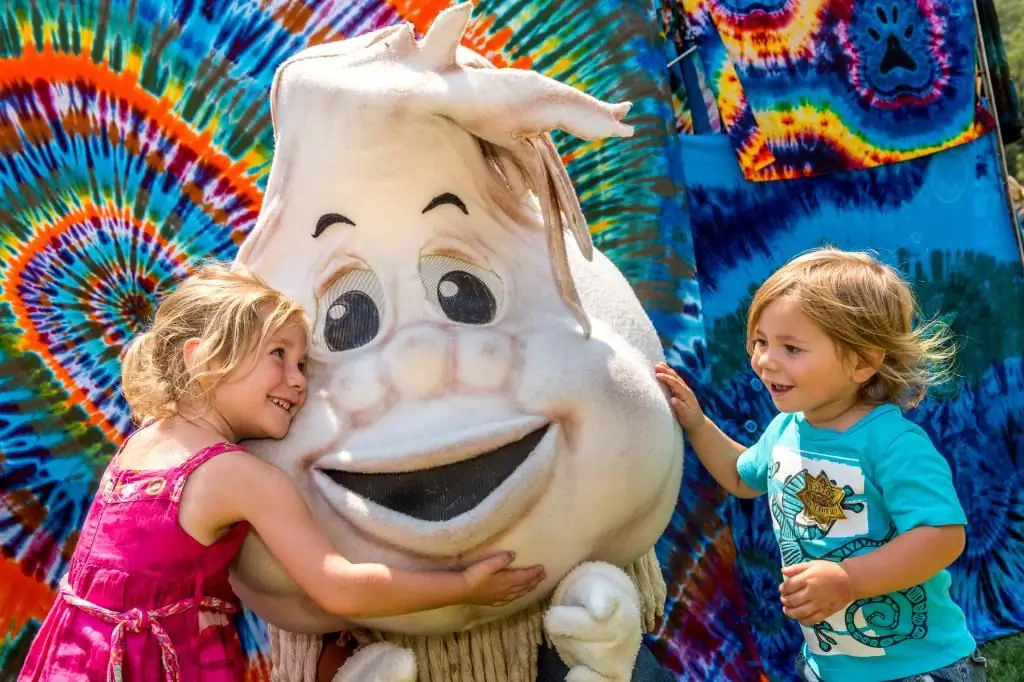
[146, 595]
[862, 504]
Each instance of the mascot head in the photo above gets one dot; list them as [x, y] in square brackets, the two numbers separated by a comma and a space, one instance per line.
[481, 379]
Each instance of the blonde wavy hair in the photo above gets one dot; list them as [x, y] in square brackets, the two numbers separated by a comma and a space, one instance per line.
[1016, 193]
[864, 306]
[232, 312]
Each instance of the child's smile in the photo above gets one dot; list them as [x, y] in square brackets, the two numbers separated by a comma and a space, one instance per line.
[285, 405]
[777, 389]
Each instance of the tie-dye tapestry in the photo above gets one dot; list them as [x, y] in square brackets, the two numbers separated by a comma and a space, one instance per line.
[135, 141]
[943, 220]
[809, 87]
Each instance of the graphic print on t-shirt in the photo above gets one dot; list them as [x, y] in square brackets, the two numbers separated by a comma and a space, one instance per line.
[817, 501]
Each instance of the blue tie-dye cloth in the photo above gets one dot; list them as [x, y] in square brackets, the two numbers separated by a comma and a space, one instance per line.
[944, 221]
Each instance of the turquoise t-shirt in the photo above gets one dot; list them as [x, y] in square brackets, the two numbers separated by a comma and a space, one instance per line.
[835, 494]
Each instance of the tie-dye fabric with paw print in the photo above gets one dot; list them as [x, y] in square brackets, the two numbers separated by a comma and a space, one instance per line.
[825, 86]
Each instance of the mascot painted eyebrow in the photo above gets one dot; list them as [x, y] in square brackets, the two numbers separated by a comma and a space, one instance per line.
[481, 378]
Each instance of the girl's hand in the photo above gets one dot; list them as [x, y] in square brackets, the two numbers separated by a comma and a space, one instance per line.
[813, 591]
[489, 582]
[683, 401]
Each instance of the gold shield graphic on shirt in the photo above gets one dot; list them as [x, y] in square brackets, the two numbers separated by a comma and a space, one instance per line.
[823, 501]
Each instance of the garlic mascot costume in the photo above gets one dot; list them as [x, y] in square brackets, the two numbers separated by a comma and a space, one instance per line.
[481, 379]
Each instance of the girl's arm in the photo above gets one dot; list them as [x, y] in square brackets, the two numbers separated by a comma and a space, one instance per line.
[265, 497]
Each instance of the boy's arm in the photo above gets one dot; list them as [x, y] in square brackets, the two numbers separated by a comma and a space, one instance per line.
[720, 455]
[813, 591]
[909, 559]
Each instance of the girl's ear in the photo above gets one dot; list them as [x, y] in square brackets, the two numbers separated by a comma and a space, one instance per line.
[188, 353]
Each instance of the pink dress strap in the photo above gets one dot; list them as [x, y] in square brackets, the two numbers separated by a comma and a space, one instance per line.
[205, 455]
[208, 453]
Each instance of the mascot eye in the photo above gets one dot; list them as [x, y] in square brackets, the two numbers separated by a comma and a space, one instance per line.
[461, 291]
[348, 315]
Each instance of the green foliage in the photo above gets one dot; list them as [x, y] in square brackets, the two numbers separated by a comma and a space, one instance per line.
[1011, 21]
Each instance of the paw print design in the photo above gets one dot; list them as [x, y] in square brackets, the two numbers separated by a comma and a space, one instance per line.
[741, 8]
[890, 45]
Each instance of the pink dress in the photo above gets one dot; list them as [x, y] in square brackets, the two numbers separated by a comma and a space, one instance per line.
[127, 606]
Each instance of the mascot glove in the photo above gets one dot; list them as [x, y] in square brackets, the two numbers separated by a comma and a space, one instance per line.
[379, 662]
[594, 623]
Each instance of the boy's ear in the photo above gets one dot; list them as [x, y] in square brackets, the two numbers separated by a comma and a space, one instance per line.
[866, 364]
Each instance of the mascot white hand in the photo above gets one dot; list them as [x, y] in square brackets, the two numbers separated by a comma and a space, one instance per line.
[595, 623]
[379, 662]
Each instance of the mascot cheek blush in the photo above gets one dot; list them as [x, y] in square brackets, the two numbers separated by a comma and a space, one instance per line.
[481, 379]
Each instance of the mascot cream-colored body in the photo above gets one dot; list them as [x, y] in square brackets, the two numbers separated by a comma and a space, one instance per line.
[481, 379]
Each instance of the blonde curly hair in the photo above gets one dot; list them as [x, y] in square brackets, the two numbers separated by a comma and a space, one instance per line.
[864, 306]
[231, 311]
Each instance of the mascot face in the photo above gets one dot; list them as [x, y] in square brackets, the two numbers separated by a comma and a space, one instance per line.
[477, 381]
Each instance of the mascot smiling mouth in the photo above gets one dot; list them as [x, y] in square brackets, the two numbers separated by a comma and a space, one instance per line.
[444, 492]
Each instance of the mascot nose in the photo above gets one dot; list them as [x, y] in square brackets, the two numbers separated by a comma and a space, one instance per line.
[419, 361]
[486, 360]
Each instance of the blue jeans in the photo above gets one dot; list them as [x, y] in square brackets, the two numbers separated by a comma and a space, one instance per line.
[967, 669]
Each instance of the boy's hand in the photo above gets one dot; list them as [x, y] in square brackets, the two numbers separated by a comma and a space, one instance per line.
[813, 591]
[683, 401]
[489, 582]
